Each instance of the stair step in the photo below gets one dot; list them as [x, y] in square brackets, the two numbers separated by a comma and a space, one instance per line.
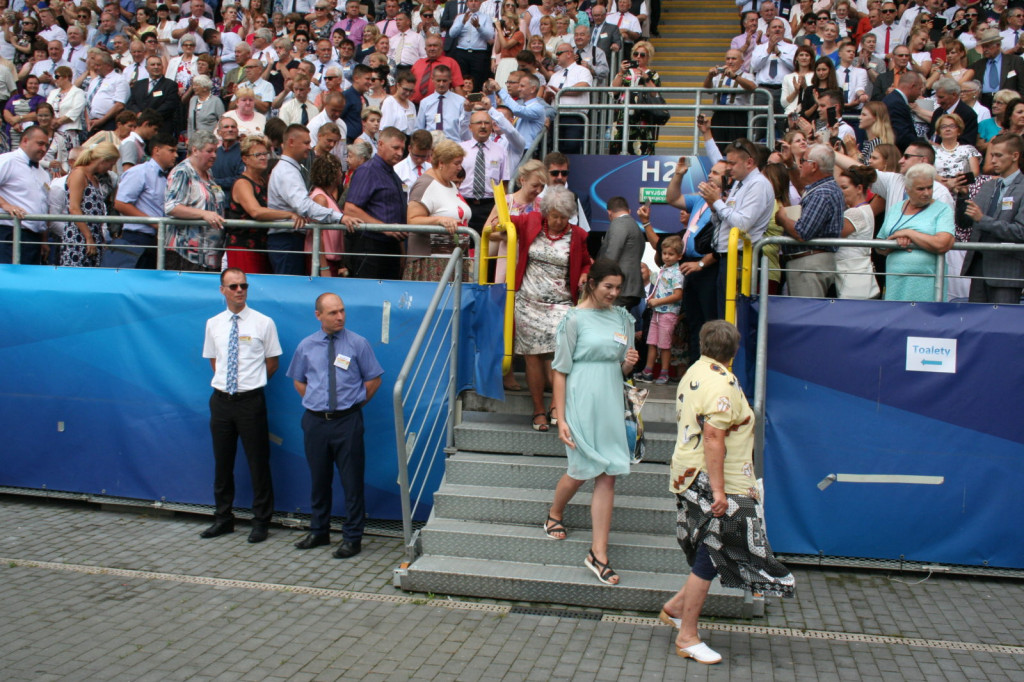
[512, 433]
[637, 591]
[656, 409]
[519, 471]
[494, 504]
[529, 544]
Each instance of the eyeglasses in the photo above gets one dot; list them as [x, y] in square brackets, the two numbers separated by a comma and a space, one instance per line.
[333, 78]
[824, 18]
[561, 52]
[972, 15]
[260, 155]
[892, 11]
[907, 155]
[559, 173]
[639, 54]
[426, 15]
[235, 287]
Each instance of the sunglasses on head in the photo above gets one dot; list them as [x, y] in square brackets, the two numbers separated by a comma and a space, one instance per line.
[235, 287]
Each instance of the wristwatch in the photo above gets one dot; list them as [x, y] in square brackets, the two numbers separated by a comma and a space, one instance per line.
[700, 263]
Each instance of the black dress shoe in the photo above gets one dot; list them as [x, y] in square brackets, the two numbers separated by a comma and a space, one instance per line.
[348, 549]
[218, 528]
[258, 533]
[313, 540]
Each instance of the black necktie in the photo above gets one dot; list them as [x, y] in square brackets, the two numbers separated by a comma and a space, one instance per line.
[162, 173]
[332, 380]
[305, 115]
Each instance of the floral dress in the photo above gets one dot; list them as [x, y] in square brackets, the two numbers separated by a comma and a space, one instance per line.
[72, 254]
[544, 297]
[643, 135]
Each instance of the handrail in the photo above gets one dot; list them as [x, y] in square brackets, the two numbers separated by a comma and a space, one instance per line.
[161, 223]
[735, 236]
[405, 441]
[512, 254]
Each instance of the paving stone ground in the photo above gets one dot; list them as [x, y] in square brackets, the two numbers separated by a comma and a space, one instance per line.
[63, 624]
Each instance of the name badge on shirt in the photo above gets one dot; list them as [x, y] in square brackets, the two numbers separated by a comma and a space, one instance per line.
[158, 93]
[247, 340]
[342, 361]
[1007, 203]
[731, 203]
[620, 338]
[1011, 75]
[437, 117]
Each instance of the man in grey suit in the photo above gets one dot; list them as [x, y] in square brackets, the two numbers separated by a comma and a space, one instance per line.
[606, 37]
[624, 244]
[996, 212]
[996, 71]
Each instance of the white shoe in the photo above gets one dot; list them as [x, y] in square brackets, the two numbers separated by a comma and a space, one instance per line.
[701, 653]
[669, 620]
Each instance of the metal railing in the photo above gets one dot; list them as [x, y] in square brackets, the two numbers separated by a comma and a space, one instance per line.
[511, 261]
[163, 224]
[600, 117]
[424, 397]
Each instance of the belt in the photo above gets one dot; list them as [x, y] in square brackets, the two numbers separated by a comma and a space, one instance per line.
[241, 395]
[337, 414]
[801, 254]
[477, 202]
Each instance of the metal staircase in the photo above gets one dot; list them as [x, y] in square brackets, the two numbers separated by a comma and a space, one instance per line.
[484, 535]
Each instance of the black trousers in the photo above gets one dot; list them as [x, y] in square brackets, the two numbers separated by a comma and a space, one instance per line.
[386, 265]
[981, 292]
[481, 210]
[147, 255]
[337, 443]
[700, 304]
[475, 64]
[244, 416]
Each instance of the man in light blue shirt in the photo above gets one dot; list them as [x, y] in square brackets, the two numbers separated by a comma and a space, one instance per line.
[530, 111]
[443, 109]
[473, 34]
[141, 193]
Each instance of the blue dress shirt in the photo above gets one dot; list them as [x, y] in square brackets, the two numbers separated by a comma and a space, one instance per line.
[145, 187]
[530, 115]
[310, 366]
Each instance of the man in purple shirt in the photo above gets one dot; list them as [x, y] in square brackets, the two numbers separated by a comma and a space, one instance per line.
[376, 196]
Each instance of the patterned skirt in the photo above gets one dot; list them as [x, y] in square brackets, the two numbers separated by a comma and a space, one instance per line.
[736, 542]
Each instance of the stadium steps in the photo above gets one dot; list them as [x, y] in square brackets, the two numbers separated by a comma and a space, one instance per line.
[484, 537]
[694, 37]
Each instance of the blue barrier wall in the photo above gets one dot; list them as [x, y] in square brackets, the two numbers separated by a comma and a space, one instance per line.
[841, 400]
[104, 390]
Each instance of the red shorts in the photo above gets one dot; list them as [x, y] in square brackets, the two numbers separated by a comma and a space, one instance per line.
[660, 332]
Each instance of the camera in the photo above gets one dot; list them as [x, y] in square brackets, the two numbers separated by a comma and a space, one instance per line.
[958, 26]
[719, 69]
[579, 59]
[630, 63]
[969, 178]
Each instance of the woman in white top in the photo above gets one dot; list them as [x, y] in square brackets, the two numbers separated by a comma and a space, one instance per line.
[435, 200]
[182, 68]
[250, 121]
[794, 84]
[396, 110]
[68, 102]
[855, 275]
[164, 27]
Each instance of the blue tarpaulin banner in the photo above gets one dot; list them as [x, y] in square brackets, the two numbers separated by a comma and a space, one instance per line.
[894, 431]
[104, 389]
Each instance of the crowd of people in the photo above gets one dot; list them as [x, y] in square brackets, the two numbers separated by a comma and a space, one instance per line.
[925, 83]
[381, 87]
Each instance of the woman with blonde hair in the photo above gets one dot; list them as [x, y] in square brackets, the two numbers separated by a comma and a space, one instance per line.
[250, 121]
[87, 195]
[874, 121]
[435, 200]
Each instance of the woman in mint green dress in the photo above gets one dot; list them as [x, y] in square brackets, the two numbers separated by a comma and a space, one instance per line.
[593, 353]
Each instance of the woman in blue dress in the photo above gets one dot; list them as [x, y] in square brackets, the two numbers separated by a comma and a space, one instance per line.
[921, 222]
[594, 351]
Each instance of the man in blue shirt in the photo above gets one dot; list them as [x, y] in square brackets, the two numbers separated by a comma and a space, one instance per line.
[336, 373]
[530, 109]
[375, 196]
[141, 193]
[473, 35]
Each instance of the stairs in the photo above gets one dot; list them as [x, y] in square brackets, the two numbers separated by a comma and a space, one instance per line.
[484, 535]
[694, 37]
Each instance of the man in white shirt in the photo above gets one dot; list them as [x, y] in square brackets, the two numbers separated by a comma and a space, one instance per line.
[773, 61]
[77, 52]
[892, 186]
[569, 74]
[730, 124]
[910, 14]
[889, 32]
[261, 48]
[749, 206]
[24, 189]
[46, 69]
[768, 13]
[106, 95]
[334, 107]
[1014, 30]
[853, 80]
[407, 46]
[417, 162]
[322, 60]
[288, 191]
[243, 350]
[194, 24]
[590, 56]
[51, 30]
[298, 109]
[136, 70]
[263, 90]
[627, 23]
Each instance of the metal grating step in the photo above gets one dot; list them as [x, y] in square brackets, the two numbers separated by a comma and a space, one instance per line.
[511, 433]
[518, 471]
[524, 506]
[638, 590]
[529, 544]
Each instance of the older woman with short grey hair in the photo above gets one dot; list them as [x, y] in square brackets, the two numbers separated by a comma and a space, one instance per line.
[204, 110]
[193, 195]
[551, 267]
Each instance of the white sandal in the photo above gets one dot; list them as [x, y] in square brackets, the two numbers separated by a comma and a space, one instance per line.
[701, 653]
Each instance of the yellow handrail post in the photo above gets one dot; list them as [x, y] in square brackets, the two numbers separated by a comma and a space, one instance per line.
[505, 225]
[731, 264]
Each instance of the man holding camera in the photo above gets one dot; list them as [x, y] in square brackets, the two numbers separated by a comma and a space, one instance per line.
[730, 124]
[569, 74]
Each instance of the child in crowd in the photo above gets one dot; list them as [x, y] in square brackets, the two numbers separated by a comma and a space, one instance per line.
[371, 126]
[666, 302]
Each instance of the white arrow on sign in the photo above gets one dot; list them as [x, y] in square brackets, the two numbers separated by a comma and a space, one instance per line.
[880, 478]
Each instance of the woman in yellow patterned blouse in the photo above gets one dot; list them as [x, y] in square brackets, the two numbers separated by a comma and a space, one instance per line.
[720, 523]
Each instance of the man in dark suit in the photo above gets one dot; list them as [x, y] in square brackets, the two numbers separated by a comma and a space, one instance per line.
[898, 102]
[159, 94]
[996, 71]
[997, 218]
[947, 101]
[606, 37]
